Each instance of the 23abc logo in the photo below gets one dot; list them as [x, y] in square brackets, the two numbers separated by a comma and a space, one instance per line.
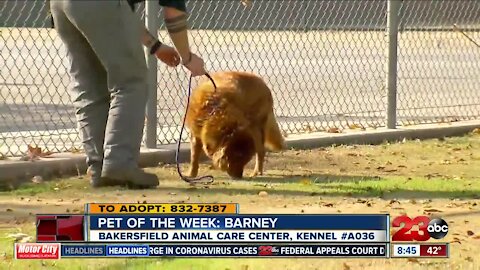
[267, 250]
[427, 228]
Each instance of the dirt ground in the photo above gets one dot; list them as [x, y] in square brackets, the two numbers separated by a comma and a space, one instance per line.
[435, 178]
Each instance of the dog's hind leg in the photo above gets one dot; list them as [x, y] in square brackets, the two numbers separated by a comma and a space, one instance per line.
[195, 151]
[259, 140]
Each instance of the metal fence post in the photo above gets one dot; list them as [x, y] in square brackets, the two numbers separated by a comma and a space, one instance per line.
[392, 28]
[152, 24]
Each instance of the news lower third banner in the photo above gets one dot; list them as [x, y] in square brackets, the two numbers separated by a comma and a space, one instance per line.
[224, 250]
[205, 230]
[238, 228]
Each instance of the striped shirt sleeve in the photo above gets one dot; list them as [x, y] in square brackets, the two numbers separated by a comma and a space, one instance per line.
[178, 4]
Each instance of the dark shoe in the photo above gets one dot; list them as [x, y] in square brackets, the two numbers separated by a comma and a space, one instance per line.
[96, 180]
[134, 178]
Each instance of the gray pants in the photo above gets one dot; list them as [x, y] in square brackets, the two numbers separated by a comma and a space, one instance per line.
[108, 69]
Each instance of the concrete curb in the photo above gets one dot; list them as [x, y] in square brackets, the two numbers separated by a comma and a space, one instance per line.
[383, 135]
[13, 172]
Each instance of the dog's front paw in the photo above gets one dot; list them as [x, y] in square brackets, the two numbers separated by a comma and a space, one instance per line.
[256, 173]
[193, 172]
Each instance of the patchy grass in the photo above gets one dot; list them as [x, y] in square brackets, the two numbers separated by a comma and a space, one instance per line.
[434, 177]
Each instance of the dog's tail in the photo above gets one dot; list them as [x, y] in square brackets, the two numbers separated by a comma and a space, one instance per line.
[274, 140]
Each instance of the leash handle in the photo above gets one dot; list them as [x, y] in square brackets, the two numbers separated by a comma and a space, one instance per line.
[207, 179]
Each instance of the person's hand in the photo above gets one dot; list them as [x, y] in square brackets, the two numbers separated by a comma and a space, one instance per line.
[195, 64]
[168, 55]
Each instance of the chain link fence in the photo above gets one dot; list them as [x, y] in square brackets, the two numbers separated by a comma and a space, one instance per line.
[438, 67]
[325, 61]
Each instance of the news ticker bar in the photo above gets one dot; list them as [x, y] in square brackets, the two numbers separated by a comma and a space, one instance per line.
[57, 250]
[347, 250]
[161, 208]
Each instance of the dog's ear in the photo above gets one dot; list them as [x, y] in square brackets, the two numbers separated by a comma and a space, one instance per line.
[240, 147]
[238, 153]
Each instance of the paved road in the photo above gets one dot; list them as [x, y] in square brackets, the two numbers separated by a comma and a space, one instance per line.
[318, 78]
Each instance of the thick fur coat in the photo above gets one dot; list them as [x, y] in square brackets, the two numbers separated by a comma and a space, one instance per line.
[232, 123]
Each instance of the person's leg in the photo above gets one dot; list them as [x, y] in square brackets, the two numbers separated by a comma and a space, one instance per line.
[90, 90]
[114, 33]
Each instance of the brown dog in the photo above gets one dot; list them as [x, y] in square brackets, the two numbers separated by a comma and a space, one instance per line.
[232, 123]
